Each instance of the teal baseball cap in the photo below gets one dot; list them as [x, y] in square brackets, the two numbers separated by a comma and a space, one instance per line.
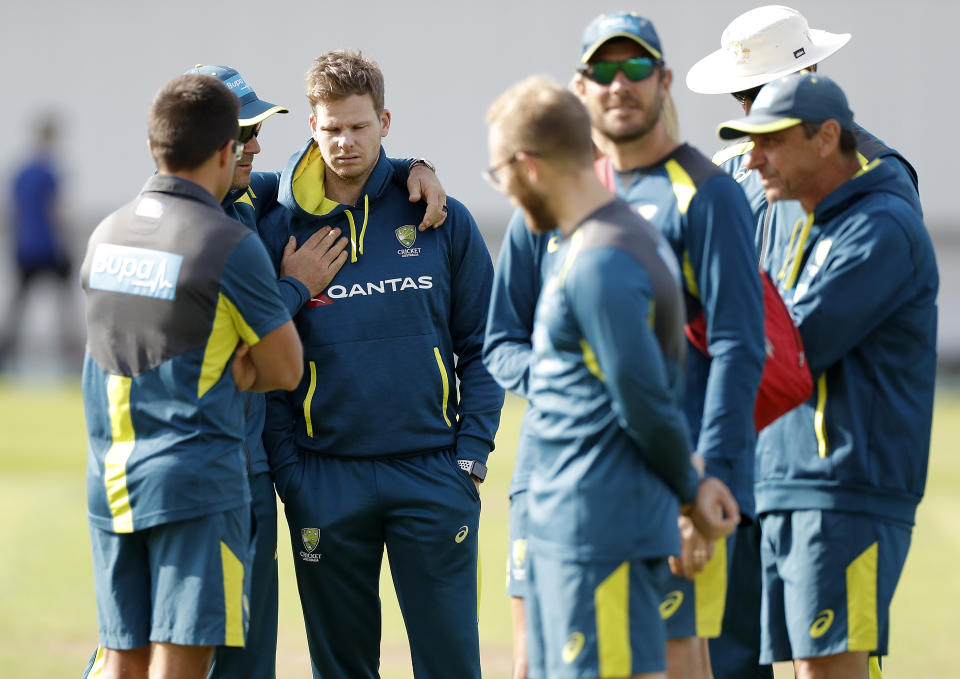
[628, 25]
[798, 98]
[252, 108]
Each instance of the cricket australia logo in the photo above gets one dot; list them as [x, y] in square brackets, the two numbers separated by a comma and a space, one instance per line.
[407, 235]
[310, 538]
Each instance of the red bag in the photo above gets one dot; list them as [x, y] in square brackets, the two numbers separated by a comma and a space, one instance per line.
[786, 381]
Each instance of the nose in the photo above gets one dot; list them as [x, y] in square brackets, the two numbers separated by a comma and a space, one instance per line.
[252, 146]
[754, 159]
[620, 80]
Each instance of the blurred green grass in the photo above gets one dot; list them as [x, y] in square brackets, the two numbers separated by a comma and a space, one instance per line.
[47, 611]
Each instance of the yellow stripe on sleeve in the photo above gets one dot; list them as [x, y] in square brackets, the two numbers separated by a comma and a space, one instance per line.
[683, 187]
[612, 602]
[229, 327]
[689, 277]
[710, 592]
[233, 604]
[862, 634]
[115, 461]
[308, 399]
[820, 417]
[590, 360]
[446, 384]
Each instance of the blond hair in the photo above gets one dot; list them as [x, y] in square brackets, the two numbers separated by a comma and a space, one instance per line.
[539, 116]
[339, 74]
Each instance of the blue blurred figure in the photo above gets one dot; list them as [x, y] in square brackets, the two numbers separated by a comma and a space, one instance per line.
[38, 242]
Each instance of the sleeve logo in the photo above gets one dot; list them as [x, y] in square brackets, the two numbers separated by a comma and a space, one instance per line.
[135, 271]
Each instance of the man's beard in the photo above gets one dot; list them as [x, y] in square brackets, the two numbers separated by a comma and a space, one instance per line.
[649, 121]
[539, 217]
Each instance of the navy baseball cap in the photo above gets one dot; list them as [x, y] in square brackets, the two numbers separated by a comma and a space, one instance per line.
[628, 25]
[798, 98]
[252, 109]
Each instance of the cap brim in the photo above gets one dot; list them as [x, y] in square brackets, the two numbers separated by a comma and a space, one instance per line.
[590, 51]
[257, 111]
[734, 129]
[713, 73]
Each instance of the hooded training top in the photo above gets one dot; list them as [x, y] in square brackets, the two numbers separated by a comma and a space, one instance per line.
[705, 218]
[172, 284]
[612, 453]
[381, 378]
[247, 206]
[786, 213]
[860, 280]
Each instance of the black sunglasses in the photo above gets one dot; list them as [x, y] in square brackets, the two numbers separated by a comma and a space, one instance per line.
[636, 69]
[249, 132]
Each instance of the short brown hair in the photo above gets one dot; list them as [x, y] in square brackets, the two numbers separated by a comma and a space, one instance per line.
[191, 117]
[341, 73]
[847, 142]
[539, 116]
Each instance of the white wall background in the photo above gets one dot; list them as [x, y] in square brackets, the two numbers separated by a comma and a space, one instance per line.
[99, 62]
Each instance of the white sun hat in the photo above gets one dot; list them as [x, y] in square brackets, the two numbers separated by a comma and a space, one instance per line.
[760, 46]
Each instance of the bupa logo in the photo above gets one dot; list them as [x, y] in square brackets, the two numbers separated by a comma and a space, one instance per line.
[135, 271]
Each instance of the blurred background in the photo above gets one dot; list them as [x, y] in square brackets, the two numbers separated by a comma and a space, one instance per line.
[94, 68]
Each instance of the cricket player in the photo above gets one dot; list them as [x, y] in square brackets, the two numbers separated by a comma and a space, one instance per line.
[610, 438]
[173, 288]
[839, 478]
[378, 446]
[758, 47]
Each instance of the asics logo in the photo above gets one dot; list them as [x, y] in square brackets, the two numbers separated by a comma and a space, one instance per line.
[572, 648]
[461, 534]
[671, 603]
[821, 623]
[553, 244]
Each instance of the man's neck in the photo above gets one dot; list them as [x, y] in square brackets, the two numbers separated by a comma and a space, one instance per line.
[344, 191]
[576, 197]
[830, 177]
[640, 152]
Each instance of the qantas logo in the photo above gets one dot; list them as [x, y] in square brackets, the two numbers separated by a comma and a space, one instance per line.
[320, 300]
[377, 287]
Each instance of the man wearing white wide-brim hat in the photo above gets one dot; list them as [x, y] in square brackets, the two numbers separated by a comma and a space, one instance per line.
[758, 47]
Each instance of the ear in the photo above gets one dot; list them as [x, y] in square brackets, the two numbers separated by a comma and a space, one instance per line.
[829, 137]
[384, 122]
[578, 86]
[666, 79]
[530, 164]
[313, 125]
[225, 154]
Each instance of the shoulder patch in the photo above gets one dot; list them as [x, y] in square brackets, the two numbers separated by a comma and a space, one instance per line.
[725, 154]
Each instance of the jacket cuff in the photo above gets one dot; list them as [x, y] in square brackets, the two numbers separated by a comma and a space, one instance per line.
[470, 448]
[720, 468]
[294, 294]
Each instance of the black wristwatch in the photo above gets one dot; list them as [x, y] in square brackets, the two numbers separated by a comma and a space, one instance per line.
[422, 161]
[477, 470]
